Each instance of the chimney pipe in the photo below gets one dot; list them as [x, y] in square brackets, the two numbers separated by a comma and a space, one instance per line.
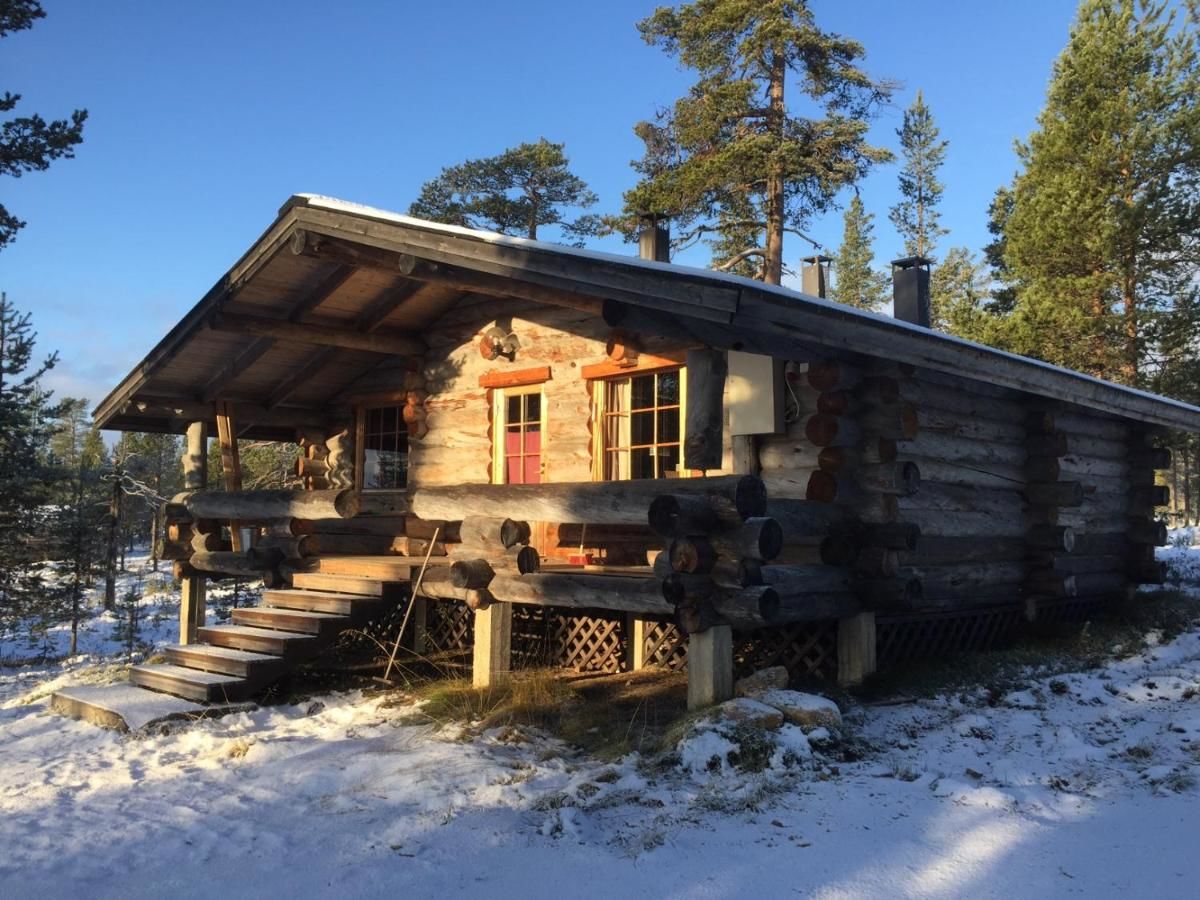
[910, 290]
[654, 238]
[814, 277]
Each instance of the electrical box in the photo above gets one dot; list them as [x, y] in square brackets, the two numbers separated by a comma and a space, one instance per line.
[754, 394]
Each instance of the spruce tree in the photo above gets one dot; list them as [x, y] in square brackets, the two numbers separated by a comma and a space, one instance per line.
[916, 216]
[856, 281]
[25, 414]
[958, 294]
[1105, 218]
[29, 143]
[735, 162]
[519, 192]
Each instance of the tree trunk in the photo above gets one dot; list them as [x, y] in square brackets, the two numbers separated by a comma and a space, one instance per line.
[110, 559]
[773, 263]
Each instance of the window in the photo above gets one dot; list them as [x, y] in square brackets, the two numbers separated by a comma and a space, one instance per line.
[384, 449]
[517, 429]
[641, 425]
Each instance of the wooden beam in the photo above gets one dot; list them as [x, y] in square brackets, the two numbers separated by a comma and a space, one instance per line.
[299, 376]
[390, 344]
[233, 368]
[231, 464]
[190, 410]
[377, 311]
[502, 378]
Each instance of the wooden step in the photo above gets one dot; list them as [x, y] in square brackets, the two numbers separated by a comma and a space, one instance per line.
[287, 644]
[298, 620]
[385, 568]
[258, 667]
[322, 601]
[342, 584]
[191, 684]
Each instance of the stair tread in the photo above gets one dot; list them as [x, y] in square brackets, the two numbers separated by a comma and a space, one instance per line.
[251, 631]
[223, 652]
[326, 595]
[288, 613]
[195, 676]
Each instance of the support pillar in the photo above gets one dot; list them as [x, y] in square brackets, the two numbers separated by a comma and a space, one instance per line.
[856, 648]
[635, 643]
[710, 666]
[492, 654]
[417, 623]
[195, 475]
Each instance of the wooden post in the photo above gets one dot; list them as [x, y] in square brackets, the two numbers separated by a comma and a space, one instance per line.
[856, 648]
[195, 474]
[710, 666]
[492, 653]
[418, 625]
[635, 643]
[231, 463]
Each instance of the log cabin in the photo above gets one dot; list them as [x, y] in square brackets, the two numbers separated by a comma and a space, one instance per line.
[680, 465]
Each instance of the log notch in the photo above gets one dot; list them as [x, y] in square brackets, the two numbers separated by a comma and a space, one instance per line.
[1048, 494]
[311, 467]
[339, 459]
[1145, 532]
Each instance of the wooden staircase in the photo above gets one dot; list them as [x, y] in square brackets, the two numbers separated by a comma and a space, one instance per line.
[236, 661]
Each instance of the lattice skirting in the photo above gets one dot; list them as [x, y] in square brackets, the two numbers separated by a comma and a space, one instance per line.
[597, 641]
[903, 638]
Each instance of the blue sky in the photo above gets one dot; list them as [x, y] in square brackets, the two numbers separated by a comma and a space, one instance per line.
[205, 117]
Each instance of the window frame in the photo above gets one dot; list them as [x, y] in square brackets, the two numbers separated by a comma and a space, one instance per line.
[500, 397]
[600, 410]
[361, 413]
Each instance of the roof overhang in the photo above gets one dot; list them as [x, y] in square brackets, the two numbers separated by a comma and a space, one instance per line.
[713, 308]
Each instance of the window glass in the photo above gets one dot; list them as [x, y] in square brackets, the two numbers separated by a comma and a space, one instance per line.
[385, 449]
[641, 426]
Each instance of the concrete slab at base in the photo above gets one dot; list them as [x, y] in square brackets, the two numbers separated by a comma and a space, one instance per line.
[126, 707]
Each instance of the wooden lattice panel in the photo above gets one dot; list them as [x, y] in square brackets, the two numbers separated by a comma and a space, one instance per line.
[449, 626]
[903, 638]
[806, 650]
[665, 647]
[1069, 609]
[588, 643]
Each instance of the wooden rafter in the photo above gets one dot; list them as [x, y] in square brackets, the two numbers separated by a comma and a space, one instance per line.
[235, 367]
[282, 391]
[391, 343]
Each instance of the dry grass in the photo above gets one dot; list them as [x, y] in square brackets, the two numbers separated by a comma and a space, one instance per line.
[605, 715]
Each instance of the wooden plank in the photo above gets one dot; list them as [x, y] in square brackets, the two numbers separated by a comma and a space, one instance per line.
[235, 367]
[645, 363]
[501, 378]
[492, 651]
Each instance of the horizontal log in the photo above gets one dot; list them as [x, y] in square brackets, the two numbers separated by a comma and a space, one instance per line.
[824, 430]
[953, 449]
[832, 375]
[386, 343]
[692, 555]
[1101, 584]
[794, 581]
[804, 518]
[482, 531]
[897, 421]
[937, 523]
[967, 498]
[601, 502]
[1080, 565]
[388, 526]
[1090, 425]
[876, 562]
[676, 515]
[471, 573]
[892, 535]
[949, 551]
[1150, 458]
[903, 592]
[989, 475]
[899, 478]
[817, 607]
[748, 608]
[260, 505]
[1059, 538]
[1047, 444]
[959, 401]
[436, 585]
[230, 563]
[583, 591]
[1054, 493]
[1099, 543]
[1049, 584]
[956, 425]
[1086, 445]
[578, 535]
[311, 468]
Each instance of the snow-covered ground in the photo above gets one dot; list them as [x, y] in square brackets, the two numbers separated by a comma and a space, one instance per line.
[1082, 784]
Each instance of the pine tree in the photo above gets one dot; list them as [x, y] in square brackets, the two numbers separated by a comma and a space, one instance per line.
[518, 192]
[152, 476]
[916, 216]
[732, 158]
[1105, 218]
[958, 294]
[29, 143]
[856, 282]
[25, 414]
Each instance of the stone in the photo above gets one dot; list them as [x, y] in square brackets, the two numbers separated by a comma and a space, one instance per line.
[805, 710]
[772, 679]
[746, 711]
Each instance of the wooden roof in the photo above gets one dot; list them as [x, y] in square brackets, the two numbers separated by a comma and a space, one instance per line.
[333, 289]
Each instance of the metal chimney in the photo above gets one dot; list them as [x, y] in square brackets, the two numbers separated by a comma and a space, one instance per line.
[814, 277]
[910, 290]
[654, 239]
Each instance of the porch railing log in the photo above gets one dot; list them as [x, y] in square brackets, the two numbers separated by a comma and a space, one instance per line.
[260, 505]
